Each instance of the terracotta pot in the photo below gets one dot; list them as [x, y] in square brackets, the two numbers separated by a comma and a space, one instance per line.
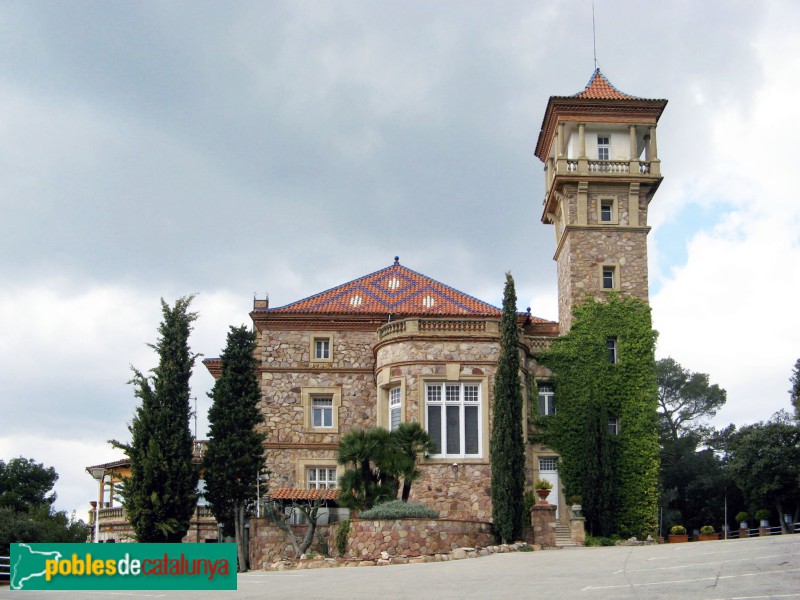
[543, 494]
[678, 539]
[707, 537]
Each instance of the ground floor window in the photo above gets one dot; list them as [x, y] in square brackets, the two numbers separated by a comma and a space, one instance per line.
[453, 417]
[321, 478]
[394, 408]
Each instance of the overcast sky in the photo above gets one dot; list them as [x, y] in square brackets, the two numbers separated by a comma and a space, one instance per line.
[158, 149]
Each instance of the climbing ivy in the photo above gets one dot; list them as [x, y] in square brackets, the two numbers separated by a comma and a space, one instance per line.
[615, 474]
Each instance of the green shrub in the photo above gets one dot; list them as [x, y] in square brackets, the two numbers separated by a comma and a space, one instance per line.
[397, 509]
[596, 540]
[677, 530]
[761, 515]
[742, 516]
[542, 484]
[707, 530]
[341, 537]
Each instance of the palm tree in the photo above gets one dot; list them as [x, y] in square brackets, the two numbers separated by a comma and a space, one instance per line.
[411, 440]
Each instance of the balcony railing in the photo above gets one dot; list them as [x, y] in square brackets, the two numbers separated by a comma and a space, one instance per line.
[117, 513]
[439, 327]
[585, 166]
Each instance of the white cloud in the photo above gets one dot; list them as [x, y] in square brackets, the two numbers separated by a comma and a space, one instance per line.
[731, 310]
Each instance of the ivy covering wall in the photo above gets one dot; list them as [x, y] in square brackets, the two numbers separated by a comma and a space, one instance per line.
[616, 475]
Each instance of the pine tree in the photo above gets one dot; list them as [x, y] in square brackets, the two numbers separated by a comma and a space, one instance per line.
[507, 445]
[160, 494]
[234, 457]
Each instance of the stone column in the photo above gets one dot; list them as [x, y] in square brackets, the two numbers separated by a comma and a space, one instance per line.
[583, 161]
[634, 156]
[653, 145]
[543, 519]
[560, 141]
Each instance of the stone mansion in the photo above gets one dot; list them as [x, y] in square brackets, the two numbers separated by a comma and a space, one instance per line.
[397, 346]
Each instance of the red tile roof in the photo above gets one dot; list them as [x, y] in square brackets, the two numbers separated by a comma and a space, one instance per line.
[600, 88]
[303, 494]
[395, 289]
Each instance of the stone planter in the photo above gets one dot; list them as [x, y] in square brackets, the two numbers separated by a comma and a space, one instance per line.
[543, 494]
[707, 537]
[678, 539]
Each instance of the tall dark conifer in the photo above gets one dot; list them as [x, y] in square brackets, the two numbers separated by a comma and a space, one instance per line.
[507, 445]
[234, 457]
[160, 494]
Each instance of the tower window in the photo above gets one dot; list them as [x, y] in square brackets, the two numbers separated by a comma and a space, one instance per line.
[611, 347]
[609, 277]
[608, 210]
[603, 147]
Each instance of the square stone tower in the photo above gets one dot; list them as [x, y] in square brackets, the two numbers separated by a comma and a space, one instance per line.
[601, 171]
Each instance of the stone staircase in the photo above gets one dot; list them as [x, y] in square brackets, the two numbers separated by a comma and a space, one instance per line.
[564, 537]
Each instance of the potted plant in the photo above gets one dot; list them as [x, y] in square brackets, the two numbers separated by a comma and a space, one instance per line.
[542, 488]
[707, 534]
[575, 504]
[677, 534]
[762, 516]
[742, 517]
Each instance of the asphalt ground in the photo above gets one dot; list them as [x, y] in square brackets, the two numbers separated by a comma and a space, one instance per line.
[755, 568]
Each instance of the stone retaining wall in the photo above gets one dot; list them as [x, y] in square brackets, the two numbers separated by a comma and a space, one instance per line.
[269, 544]
[375, 539]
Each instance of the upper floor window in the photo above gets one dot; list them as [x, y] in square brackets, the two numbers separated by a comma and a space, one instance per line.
[394, 408]
[322, 349]
[611, 349]
[453, 418]
[608, 210]
[613, 425]
[321, 478]
[603, 147]
[322, 412]
[546, 400]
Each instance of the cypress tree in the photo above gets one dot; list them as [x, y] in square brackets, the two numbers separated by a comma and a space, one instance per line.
[160, 494]
[234, 457]
[507, 445]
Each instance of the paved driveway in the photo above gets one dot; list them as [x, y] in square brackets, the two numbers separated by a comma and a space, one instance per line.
[743, 569]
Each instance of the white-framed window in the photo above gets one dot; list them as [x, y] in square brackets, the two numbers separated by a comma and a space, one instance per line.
[547, 398]
[609, 276]
[322, 348]
[395, 406]
[611, 349]
[322, 412]
[613, 425]
[603, 146]
[548, 463]
[321, 478]
[453, 418]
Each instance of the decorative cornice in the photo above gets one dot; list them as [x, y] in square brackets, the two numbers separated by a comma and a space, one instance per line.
[301, 446]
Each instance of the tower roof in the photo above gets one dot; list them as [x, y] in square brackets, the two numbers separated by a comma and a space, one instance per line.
[600, 101]
[601, 88]
[395, 289]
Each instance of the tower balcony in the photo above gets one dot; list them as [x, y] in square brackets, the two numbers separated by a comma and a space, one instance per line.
[591, 167]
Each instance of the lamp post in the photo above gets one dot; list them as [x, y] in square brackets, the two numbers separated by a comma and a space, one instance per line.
[261, 477]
